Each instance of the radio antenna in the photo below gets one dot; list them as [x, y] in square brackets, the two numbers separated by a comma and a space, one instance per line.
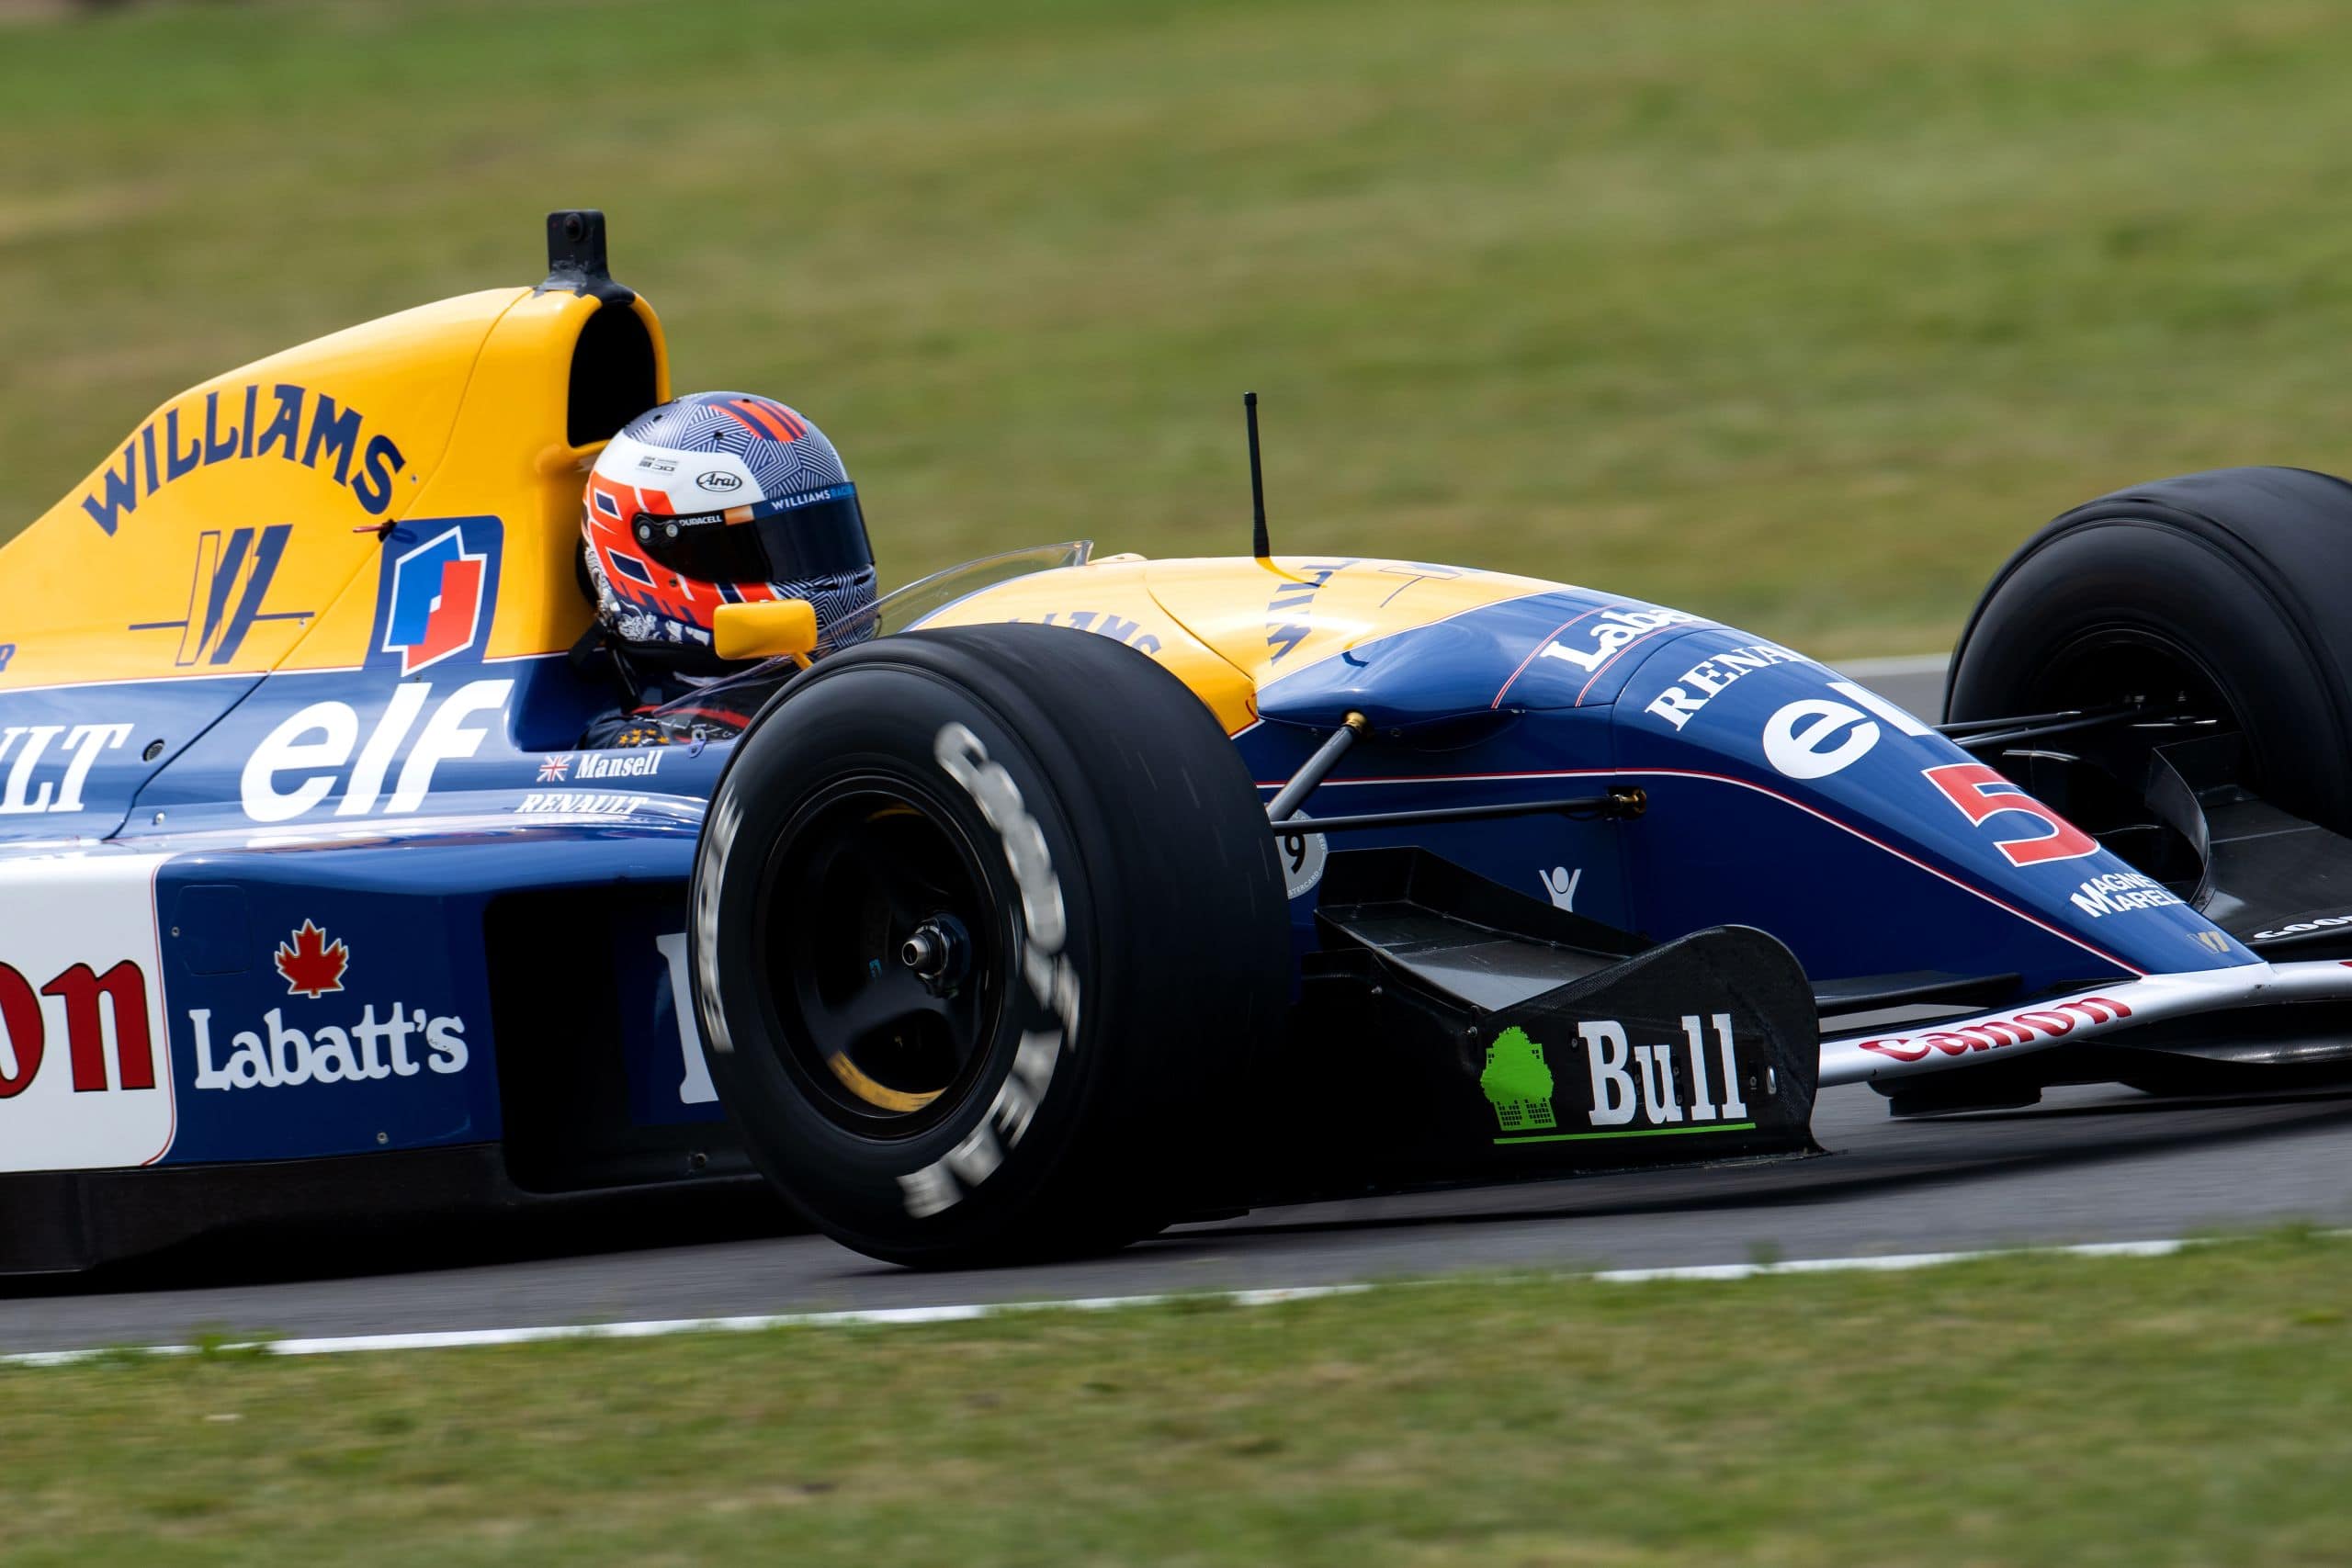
[1258, 541]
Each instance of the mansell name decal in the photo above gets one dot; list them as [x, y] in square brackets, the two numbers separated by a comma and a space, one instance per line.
[289, 422]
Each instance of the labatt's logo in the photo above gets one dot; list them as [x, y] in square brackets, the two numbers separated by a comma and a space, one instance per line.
[291, 423]
[1590, 643]
[370, 1048]
[400, 1044]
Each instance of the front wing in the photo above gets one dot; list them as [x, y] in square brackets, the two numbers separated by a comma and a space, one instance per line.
[2296, 1013]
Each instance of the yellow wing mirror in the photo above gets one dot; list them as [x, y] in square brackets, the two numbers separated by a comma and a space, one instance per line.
[787, 626]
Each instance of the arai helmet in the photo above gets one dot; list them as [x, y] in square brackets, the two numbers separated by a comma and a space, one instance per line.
[721, 498]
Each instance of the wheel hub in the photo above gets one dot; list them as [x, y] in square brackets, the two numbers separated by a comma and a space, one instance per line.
[939, 952]
[876, 914]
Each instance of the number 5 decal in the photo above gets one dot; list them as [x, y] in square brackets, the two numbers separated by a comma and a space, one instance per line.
[1981, 792]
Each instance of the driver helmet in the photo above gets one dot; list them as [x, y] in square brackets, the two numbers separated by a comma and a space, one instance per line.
[721, 498]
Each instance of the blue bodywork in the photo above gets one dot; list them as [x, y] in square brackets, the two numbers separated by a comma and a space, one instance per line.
[1864, 869]
[446, 834]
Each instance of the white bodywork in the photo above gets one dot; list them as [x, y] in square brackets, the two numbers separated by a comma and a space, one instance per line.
[85, 1066]
[2074, 1018]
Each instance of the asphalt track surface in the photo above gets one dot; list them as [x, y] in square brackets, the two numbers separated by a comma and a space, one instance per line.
[2085, 1166]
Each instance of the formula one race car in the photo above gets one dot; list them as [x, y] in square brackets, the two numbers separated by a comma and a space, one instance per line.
[1092, 894]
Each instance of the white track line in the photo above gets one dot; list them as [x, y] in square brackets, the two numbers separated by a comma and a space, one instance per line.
[658, 1328]
[654, 1329]
[1888, 1264]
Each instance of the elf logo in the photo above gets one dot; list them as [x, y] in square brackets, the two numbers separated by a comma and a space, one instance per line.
[1814, 738]
[318, 751]
[439, 590]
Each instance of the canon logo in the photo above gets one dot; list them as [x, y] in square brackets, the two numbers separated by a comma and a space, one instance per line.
[1992, 1034]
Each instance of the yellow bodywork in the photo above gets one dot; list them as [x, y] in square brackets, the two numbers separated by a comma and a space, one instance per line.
[785, 628]
[461, 409]
[458, 408]
[1227, 626]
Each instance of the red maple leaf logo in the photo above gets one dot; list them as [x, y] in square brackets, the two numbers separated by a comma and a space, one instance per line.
[311, 966]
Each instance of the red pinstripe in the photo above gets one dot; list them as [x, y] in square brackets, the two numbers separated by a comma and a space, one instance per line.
[769, 423]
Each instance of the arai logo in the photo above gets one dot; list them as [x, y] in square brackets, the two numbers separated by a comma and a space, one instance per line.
[717, 479]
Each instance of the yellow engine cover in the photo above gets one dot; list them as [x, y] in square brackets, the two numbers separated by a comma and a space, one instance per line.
[234, 532]
[1228, 626]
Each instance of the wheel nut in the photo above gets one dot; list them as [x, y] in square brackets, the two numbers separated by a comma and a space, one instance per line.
[925, 952]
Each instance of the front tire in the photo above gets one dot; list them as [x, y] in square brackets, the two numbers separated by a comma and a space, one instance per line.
[988, 920]
[2226, 592]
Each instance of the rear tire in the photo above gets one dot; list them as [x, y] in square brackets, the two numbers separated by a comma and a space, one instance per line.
[1063, 836]
[2227, 590]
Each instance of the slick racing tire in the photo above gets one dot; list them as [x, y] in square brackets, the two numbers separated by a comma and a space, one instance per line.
[2226, 591]
[986, 922]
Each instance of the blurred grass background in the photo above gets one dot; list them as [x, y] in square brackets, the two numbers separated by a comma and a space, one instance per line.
[1798, 314]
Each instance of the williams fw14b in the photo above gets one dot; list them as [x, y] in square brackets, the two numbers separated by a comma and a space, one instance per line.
[1067, 897]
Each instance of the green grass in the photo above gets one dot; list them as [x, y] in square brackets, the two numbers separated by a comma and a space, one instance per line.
[2189, 1410]
[1800, 314]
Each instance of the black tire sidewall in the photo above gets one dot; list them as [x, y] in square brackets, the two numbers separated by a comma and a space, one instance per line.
[1097, 1157]
[879, 718]
[2137, 566]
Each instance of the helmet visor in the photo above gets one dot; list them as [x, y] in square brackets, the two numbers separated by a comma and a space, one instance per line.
[796, 539]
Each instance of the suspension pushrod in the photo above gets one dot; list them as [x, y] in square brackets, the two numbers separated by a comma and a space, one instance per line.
[2026, 720]
[2035, 732]
[1619, 803]
[1317, 768]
